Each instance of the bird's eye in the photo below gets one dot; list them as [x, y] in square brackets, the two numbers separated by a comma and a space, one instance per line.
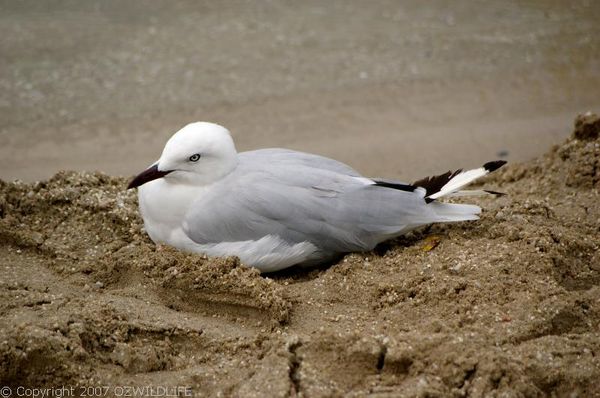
[195, 157]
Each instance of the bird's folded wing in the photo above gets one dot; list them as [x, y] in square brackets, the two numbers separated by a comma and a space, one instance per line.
[300, 201]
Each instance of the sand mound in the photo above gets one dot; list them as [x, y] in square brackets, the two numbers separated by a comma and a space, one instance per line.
[509, 304]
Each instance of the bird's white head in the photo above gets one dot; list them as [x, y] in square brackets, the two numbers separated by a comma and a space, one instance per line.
[199, 153]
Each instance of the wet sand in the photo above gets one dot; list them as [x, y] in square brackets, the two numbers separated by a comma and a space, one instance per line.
[397, 90]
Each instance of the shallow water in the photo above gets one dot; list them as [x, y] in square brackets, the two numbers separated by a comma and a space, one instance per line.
[400, 90]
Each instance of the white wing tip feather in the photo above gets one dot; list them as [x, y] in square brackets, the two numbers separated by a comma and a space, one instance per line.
[462, 179]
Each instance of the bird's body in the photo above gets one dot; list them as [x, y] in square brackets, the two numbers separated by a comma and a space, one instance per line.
[274, 208]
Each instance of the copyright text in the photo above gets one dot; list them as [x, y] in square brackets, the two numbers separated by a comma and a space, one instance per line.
[96, 391]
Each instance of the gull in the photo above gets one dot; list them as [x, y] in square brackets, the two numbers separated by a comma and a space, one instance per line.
[275, 208]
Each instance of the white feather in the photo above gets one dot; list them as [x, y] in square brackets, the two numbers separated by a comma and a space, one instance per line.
[449, 212]
[459, 181]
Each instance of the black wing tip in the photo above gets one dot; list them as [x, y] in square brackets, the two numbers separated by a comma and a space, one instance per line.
[495, 192]
[434, 184]
[394, 185]
[494, 165]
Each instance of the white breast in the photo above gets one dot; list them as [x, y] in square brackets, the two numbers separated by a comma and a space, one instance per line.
[163, 206]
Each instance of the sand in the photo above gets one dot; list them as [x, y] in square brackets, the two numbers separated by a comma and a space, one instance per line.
[505, 306]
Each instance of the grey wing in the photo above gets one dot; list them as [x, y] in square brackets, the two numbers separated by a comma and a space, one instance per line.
[286, 157]
[303, 202]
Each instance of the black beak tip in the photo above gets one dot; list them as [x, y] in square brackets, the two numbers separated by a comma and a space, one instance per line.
[150, 174]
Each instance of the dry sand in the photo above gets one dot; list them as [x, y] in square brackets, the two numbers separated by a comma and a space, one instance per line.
[507, 306]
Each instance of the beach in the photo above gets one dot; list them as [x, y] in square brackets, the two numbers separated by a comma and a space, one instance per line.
[508, 305]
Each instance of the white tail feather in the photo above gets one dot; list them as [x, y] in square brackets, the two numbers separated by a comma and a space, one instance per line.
[448, 212]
